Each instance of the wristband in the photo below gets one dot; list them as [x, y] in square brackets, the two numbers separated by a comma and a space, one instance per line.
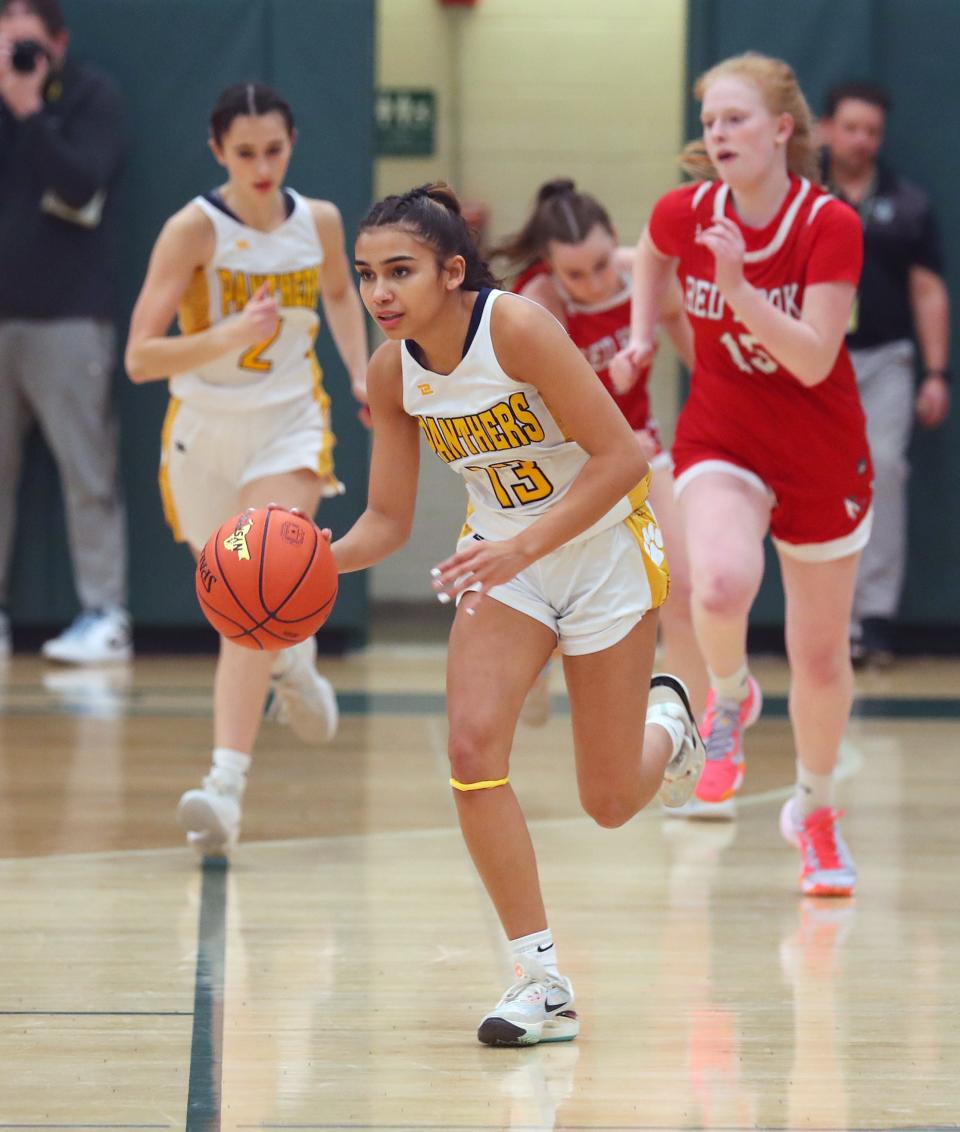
[943, 373]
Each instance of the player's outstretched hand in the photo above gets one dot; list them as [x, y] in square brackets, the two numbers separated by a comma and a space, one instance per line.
[630, 364]
[479, 567]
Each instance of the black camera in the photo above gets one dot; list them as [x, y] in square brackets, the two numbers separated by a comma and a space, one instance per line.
[25, 54]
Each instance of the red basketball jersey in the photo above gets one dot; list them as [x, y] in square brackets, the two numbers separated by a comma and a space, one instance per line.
[601, 331]
[743, 405]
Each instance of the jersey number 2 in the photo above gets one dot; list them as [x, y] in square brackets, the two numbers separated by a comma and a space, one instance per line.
[747, 356]
[253, 358]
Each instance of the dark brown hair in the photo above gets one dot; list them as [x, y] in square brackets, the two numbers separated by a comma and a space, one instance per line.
[560, 213]
[247, 99]
[873, 93]
[432, 213]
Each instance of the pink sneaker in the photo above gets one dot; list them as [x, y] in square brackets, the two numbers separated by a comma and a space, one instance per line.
[724, 722]
[828, 868]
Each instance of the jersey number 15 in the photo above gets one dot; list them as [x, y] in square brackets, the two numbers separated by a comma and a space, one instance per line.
[747, 355]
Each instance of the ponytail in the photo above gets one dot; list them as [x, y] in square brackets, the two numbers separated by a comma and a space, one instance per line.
[433, 214]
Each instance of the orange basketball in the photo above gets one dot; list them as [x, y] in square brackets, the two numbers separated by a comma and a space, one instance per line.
[266, 579]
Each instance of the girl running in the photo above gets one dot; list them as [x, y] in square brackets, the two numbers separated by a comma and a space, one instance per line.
[571, 263]
[243, 267]
[559, 546]
[772, 435]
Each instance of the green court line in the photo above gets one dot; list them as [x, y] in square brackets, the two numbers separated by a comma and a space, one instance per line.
[38, 701]
[552, 1127]
[94, 1014]
[206, 1047]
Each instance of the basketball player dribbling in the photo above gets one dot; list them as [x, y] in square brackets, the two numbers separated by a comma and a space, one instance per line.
[248, 422]
[772, 435]
[571, 263]
[559, 547]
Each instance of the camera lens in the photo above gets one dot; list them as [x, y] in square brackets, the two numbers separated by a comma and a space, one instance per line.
[25, 54]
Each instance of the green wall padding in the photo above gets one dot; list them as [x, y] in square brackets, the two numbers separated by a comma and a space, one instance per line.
[172, 58]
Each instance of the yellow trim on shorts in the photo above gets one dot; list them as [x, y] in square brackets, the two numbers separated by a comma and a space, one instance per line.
[324, 469]
[638, 496]
[163, 476]
[466, 529]
[487, 784]
[643, 524]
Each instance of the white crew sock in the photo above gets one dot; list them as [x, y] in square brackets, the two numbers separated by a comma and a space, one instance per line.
[734, 687]
[537, 946]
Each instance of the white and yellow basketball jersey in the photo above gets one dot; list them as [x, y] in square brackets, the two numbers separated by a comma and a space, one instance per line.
[498, 434]
[289, 260]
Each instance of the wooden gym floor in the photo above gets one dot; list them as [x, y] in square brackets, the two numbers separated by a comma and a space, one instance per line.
[334, 976]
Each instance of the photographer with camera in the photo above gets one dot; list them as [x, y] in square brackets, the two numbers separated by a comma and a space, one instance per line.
[60, 152]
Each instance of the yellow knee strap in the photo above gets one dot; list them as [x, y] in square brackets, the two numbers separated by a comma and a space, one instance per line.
[489, 784]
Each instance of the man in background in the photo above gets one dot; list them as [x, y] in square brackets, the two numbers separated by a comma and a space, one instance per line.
[902, 297]
[60, 153]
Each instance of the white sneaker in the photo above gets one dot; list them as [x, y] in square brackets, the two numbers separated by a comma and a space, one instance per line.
[96, 636]
[211, 817]
[300, 696]
[537, 1008]
[6, 637]
[668, 697]
[536, 707]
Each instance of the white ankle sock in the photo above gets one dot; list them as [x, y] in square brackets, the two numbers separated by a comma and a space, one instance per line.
[813, 791]
[537, 946]
[230, 769]
[733, 687]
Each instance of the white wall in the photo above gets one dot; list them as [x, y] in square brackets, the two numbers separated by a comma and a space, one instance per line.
[528, 90]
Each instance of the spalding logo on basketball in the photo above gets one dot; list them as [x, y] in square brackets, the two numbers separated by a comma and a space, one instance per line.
[267, 579]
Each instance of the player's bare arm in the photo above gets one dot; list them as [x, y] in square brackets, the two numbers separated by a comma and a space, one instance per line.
[652, 272]
[186, 245]
[341, 303]
[671, 315]
[675, 324]
[807, 346]
[395, 463]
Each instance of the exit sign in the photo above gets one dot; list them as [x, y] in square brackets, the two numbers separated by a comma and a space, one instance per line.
[405, 121]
